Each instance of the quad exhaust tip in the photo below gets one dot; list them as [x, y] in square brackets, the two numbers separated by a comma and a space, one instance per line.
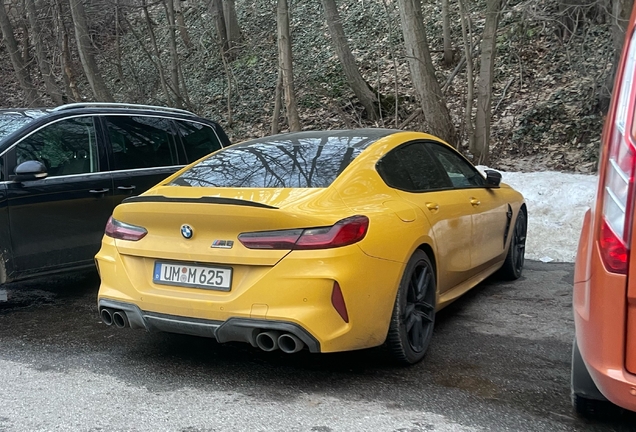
[268, 340]
[120, 319]
[107, 316]
[290, 344]
[112, 316]
[272, 340]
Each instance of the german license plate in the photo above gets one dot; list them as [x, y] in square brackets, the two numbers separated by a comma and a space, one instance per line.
[192, 275]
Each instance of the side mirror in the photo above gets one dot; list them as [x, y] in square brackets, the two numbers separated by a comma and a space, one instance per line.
[493, 178]
[29, 170]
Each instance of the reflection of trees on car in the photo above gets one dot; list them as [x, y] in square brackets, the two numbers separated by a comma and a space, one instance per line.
[277, 164]
[141, 142]
[67, 147]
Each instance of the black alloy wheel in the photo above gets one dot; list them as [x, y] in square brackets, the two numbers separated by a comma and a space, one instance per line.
[515, 258]
[411, 327]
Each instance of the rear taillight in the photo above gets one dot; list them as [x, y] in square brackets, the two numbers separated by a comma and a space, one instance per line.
[342, 233]
[618, 184]
[123, 231]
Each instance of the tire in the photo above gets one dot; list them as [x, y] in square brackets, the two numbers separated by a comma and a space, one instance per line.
[587, 401]
[513, 266]
[413, 318]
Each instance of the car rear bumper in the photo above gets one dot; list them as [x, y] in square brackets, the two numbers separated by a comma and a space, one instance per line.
[232, 330]
[297, 291]
[600, 308]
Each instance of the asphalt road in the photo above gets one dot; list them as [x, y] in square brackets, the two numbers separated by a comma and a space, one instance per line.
[499, 361]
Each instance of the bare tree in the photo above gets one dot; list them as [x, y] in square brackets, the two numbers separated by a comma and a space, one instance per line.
[357, 83]
[232, 27]
[155, 48]
[621, 9]
[448, 44]
[120, 69]
[216, 10]
[481, 143]
[277, 103]
[42, 56]
[21, 72]
[174, 55]
[183, 30]
[423, 73]
[94, 77]
[468, 45]
[67, 64]
[285, 64]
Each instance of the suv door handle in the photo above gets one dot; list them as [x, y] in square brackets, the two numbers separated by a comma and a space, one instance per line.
[126, 188]
[99, 191]
[474, 202]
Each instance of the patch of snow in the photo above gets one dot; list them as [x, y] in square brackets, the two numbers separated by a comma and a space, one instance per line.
[556, 205]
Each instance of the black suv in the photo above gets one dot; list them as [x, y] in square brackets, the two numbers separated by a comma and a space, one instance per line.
[63, 171]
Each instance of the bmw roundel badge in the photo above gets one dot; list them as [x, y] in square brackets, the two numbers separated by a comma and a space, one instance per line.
[187, 231]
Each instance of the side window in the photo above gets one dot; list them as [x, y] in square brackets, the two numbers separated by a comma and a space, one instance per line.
[411, 167]
[65, 148]
[198, 139]
[141, 142]
[461, 173]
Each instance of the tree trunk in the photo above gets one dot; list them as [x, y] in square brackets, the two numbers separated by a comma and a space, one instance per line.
[174, 55]
[21, 73]
[120, 69]
[448, 45]
[26, 45]
[183, 30]
[481, 148]
[232, 27]
[67, 69]
[94, 77]
[155, 48]
[359, 86]
[277, 103]
[285, 62]
[423, 73]
[41, 56]
[216, 10]
[469, 75]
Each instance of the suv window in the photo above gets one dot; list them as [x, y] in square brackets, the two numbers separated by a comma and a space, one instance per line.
[460, 172]
[198, 139]
[412, 168]
[141, 142]
[65, 147]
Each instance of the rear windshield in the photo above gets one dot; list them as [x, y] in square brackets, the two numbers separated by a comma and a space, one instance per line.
[312, 162]
[12, 121]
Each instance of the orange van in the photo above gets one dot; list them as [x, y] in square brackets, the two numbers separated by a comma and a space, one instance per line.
[604, 298]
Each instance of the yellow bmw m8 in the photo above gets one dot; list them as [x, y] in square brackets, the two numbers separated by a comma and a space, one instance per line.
[325, 241]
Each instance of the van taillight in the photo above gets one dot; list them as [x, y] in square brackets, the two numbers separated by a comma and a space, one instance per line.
[618, 183]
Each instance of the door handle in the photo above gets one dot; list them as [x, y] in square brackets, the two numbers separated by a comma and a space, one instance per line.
[126, 188]
[99, 191]
[474, 202]
[432, 206]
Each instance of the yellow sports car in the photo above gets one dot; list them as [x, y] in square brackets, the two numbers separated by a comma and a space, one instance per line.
[326, 241]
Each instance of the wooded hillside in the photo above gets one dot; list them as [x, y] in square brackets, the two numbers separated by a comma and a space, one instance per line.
[532, 96]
